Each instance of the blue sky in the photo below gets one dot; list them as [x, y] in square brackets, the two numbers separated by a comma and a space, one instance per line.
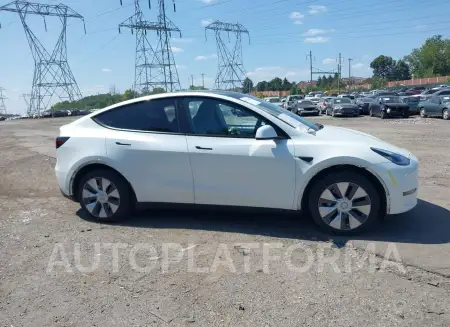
[282, 34]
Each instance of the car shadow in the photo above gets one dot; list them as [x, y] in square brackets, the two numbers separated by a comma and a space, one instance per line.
[425, 224]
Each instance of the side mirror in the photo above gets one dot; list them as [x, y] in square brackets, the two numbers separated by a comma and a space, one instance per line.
[266, 132]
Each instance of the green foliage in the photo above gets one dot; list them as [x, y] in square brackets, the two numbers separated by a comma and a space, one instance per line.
[431, 59]
[294, 90]
[383, 66]
[247, 85]
[402, 71]
[102, 100]
[194, 88]
[378, 82]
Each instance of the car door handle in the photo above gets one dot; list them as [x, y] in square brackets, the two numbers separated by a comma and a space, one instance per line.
[118, 143]
[202, 148]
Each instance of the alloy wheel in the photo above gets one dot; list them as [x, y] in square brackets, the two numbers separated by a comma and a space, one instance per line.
[101, 197]
[344, 206]
[445, 114]
[422, 113]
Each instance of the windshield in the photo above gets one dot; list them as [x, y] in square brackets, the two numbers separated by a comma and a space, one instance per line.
[391, 100]
[366, 99]
[342, 100]
[278, 112]
[306, 102]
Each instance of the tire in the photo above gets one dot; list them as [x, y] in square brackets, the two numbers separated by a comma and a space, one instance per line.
[362, 220]
[405, 114]
[383, 114]
[422, 113]
[116, 197]
[445, 114]
[370, 112]
[332, 113]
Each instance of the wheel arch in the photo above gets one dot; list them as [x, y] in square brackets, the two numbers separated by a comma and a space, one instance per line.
[83, 170]
[370, 175]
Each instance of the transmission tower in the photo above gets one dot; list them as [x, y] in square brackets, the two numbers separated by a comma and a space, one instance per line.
[2, 101]
[155, 65]
[26, 98]
[231, 71]
[52, 74]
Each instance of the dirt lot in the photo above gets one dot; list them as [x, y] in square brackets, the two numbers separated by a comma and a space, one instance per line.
[207, 278]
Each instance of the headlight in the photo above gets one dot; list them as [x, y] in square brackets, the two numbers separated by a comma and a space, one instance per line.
[396, 158]
[337, 107]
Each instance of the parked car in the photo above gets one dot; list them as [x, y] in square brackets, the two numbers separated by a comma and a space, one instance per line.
[442, 92]
[314, 100]
[341, 107]
[412, 103]
[388, 106]
[291, 101]
[322, 104]
[426, 94]
[342, 178]
[435, 107]
[305, 107]
[275, 100]
[363, 105]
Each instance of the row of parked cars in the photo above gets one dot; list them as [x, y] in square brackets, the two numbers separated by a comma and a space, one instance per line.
[381, 103]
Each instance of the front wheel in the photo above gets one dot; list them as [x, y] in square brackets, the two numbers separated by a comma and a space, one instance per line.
[370, 112]
[105, 195]
[344, 203]
[445, 114]
[422, 113]
[383, 114]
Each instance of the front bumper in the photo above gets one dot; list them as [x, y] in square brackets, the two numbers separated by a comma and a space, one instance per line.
[401, 183]
[345, 112]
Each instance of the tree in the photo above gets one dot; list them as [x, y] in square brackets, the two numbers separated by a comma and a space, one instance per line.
[129, 94]
[383, 66]
[294, 90]
[319, 82]
[158, 90]
[286, 86]
[276, 84]
[378, 82]
[247, 85]
[193, 87]
[401, 71]
[431, 59]
[262, 86]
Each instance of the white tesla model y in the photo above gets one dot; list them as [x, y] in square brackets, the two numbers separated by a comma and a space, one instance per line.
[233, 149]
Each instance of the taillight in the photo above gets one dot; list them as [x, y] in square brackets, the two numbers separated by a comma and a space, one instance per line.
[324, 104]
[60, 140]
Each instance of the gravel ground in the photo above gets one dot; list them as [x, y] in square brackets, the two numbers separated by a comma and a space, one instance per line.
[225, 268]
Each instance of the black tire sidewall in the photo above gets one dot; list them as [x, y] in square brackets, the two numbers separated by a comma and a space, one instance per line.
[344, 176]
[122, 186]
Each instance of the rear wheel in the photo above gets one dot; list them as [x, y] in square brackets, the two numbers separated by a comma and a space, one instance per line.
[105, 195]
[445, 114]
[344, 203]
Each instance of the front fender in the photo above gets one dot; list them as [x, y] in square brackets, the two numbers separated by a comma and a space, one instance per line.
[310, 173]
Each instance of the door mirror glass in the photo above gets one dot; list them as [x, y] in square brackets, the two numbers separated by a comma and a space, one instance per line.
[266, 132]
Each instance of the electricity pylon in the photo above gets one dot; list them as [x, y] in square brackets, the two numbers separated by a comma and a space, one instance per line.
[231, 71]
[26, 98]
[155, 65]
[2, 101]
[52, 74]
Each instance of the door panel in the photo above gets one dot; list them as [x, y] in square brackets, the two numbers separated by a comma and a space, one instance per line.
[243, 171]
[156, 165]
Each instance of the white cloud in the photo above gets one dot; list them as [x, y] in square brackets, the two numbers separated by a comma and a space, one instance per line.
[106, 70]
[208, 1]
[328, 61]
[317, 39]
[270, 72]
[316, 31]
[176, 50]
[206, 57]
[358, 65]
[313, 10]
[296, 17]
[207, 21]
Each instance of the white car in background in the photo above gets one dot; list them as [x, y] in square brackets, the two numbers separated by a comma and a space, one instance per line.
[232, 149]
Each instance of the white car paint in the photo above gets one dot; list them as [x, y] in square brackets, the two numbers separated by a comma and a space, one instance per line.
[163, 167]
